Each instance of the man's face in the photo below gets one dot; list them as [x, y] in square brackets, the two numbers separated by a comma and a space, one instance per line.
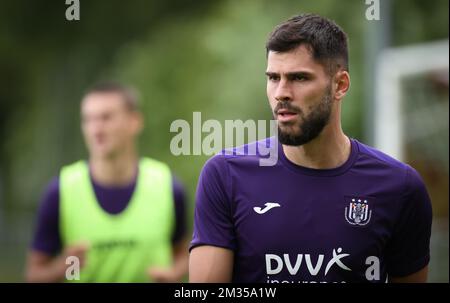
[107, 124]
[299, 93]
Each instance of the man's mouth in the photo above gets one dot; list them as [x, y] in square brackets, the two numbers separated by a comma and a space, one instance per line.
[285, 115]
[100, 139]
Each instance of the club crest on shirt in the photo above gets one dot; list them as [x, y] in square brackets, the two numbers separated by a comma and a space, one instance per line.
[357, 211]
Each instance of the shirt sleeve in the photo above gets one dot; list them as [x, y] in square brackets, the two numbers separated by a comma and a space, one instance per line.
[409, 248]
[179, 197]
[46, 237]
[213, 220]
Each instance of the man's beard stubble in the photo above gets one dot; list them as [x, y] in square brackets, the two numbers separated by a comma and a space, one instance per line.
[306, 128]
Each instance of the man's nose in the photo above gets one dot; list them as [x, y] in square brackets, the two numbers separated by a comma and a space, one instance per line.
[284, 91]
[94, 125]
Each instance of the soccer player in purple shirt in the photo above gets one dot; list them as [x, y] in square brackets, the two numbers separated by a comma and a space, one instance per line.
[111, 122]
[331, 209]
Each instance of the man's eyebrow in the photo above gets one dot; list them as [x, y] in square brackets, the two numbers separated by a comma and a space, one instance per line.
[301, 73]
[271, 74]
[290, 74]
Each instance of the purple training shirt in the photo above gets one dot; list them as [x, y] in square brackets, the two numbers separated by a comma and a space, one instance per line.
[47, 238]
[360, 222]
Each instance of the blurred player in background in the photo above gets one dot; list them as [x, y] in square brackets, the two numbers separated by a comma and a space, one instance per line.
[122, 216]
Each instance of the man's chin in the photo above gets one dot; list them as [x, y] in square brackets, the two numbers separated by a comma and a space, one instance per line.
[291, 137]
[291, 131]
[288, 139]
[102, 153]
[289, 126]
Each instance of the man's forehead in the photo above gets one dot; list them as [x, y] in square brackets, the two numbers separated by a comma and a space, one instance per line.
[100, 96]
[102, 100]
[298, 59]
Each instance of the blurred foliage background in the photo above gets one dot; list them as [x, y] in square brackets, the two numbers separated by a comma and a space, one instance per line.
[183, 56]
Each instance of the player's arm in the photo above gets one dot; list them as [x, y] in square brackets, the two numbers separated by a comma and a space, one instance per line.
[46, 262]
[418, 277]
[179, 238]
[177, 271]
[408, 253]
[213, 244]
[44, 268]
[179, 268]
[210, 264]
[180, 259]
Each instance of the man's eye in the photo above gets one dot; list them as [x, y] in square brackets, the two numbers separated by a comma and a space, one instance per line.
[273, 78]
[300, 78]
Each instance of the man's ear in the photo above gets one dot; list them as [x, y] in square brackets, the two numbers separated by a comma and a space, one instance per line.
[341, 83]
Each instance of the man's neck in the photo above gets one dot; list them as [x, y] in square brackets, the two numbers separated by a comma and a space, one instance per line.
[329, 150]
[114, 171]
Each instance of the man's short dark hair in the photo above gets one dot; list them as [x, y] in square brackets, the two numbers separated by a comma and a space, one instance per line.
[128, 93]
[324, 38]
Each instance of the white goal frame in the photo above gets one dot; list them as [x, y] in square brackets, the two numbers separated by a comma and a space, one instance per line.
[393, 65]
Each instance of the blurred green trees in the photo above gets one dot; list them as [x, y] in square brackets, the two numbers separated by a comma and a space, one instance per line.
[183, 56]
